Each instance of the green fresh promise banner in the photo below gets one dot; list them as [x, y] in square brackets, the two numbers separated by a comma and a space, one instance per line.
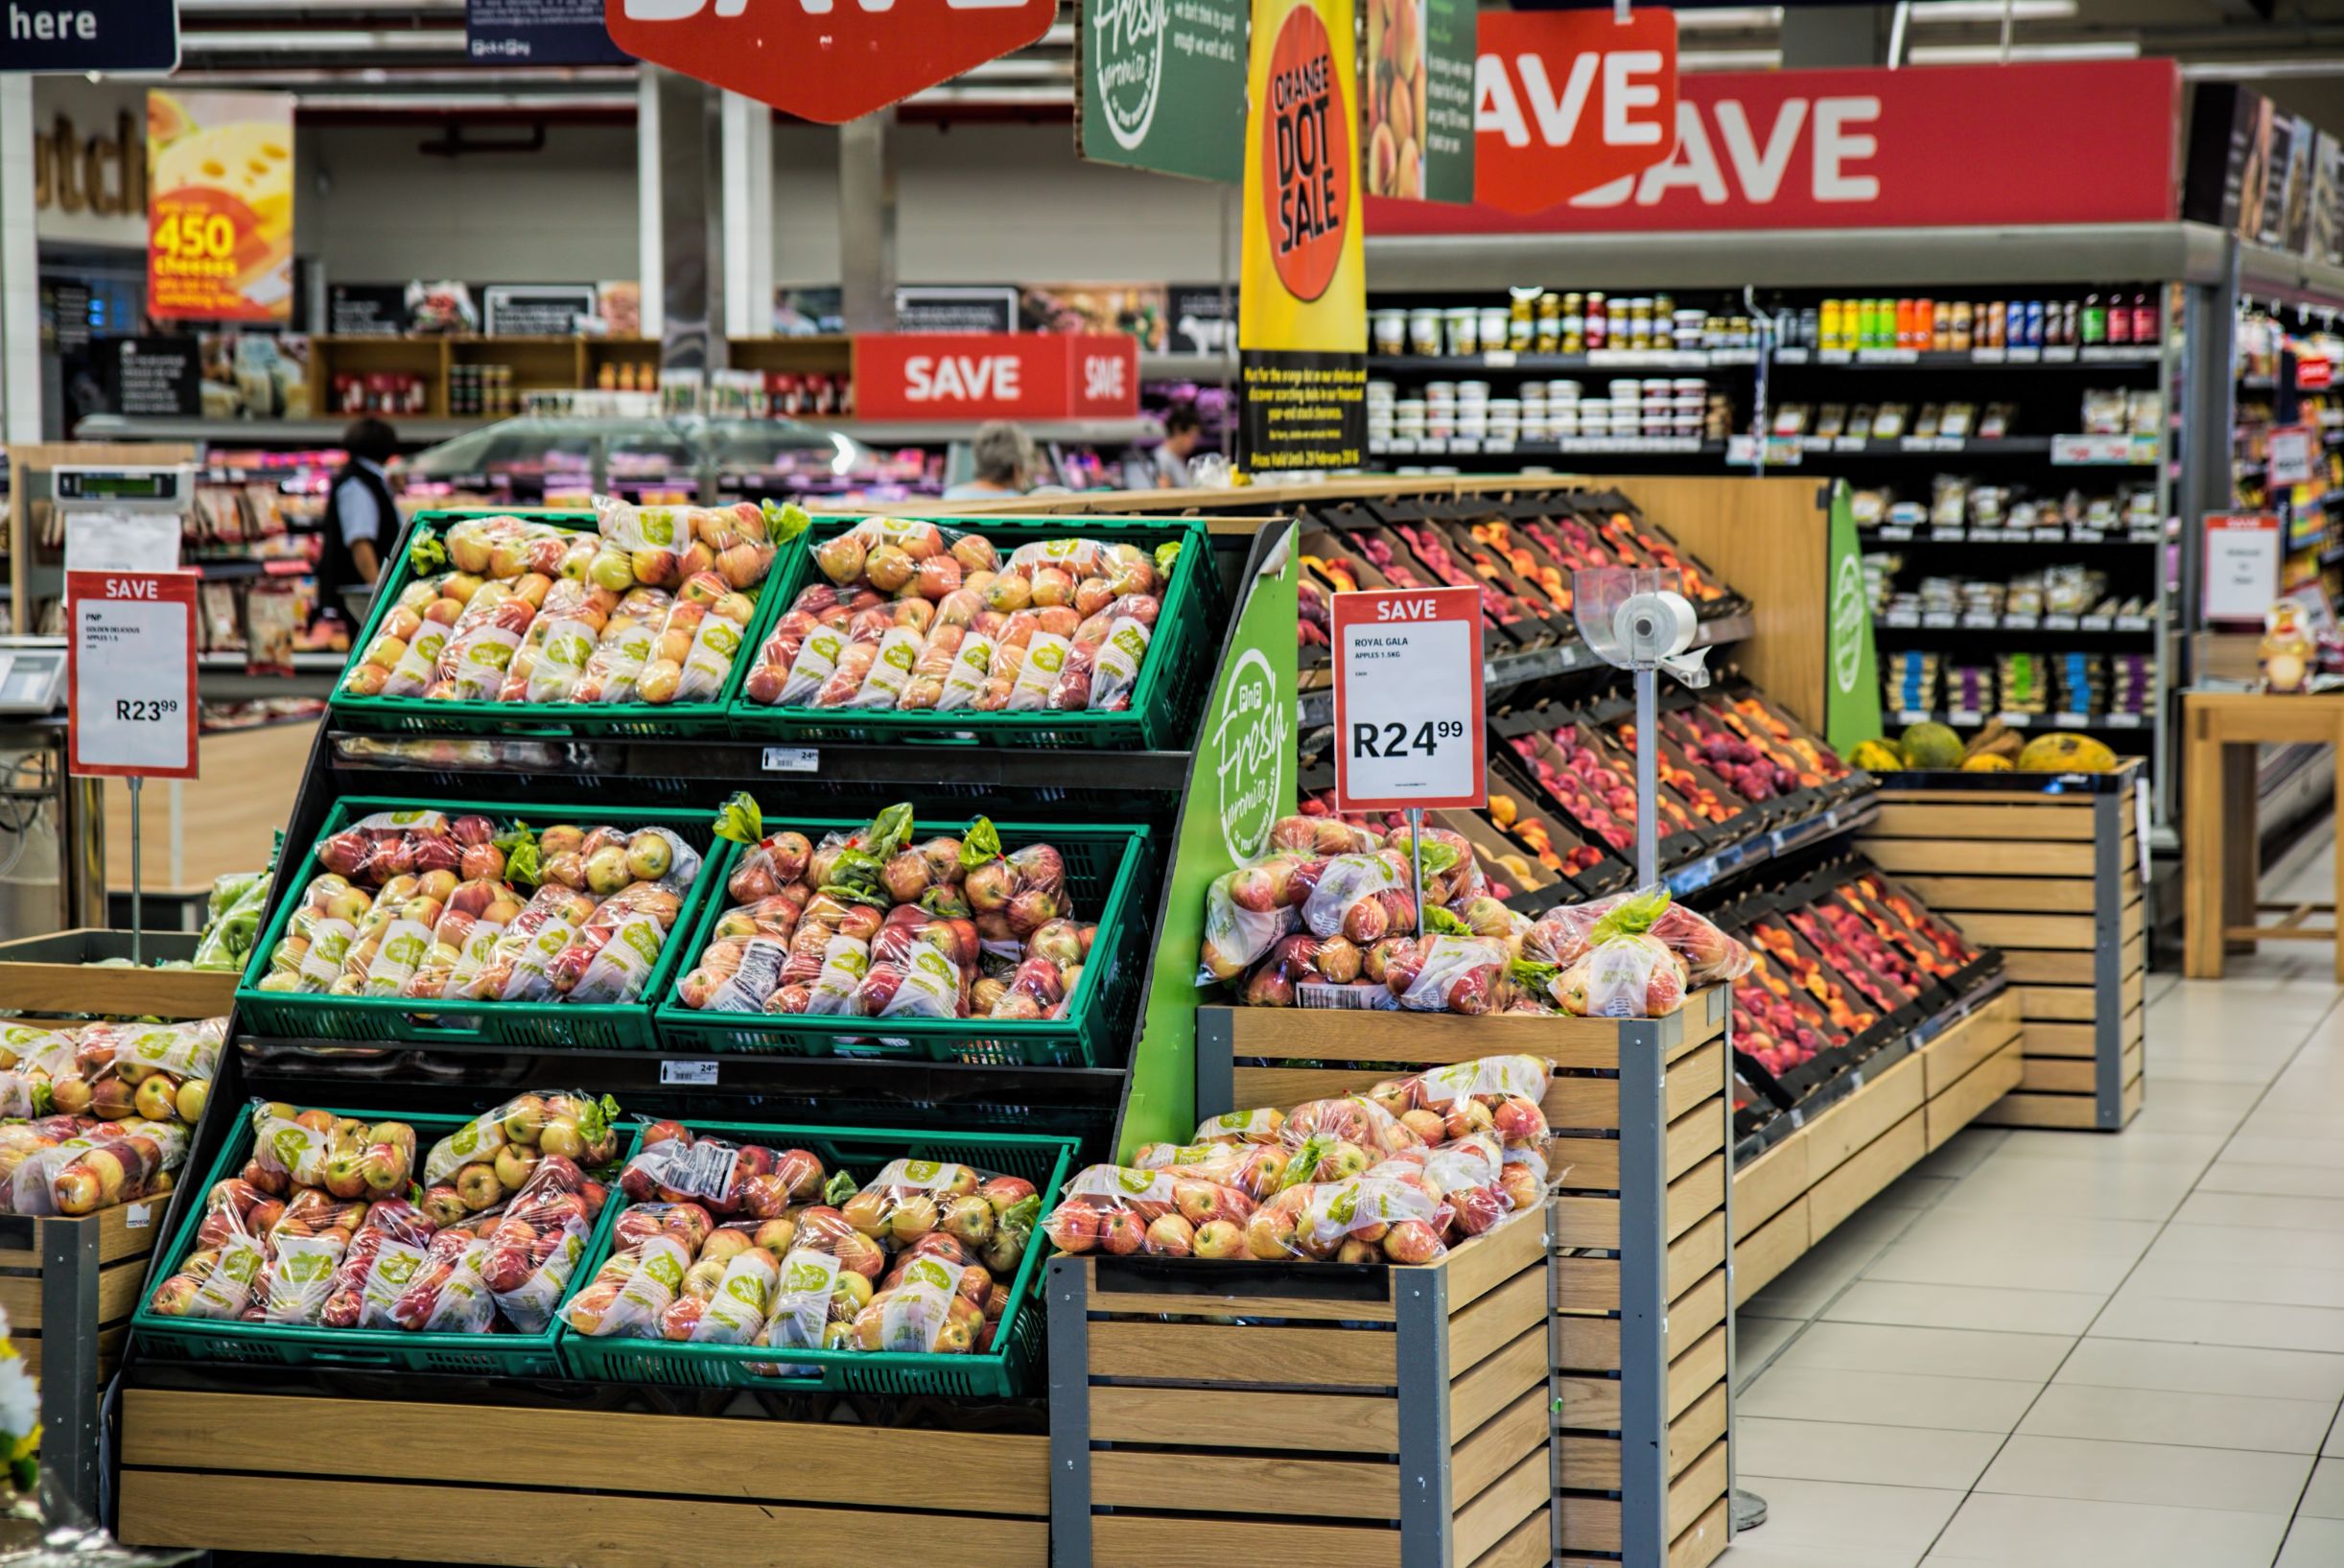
[1162, 87]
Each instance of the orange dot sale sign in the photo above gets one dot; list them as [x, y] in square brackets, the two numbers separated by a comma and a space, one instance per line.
[219, 209]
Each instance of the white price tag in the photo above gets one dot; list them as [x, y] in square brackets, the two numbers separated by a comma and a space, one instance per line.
[1409, 722]
[793, 758]
[2290, 454]
[702, 1073]
[2241, 576]
[137, 1216]
[131, 682]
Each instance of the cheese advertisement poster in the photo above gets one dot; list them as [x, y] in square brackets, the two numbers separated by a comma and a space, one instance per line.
[220, 212]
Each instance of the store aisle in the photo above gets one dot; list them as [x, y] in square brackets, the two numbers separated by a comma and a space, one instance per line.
[2055, 1348]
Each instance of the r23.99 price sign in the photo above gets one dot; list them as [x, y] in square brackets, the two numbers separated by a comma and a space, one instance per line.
[130, 673]
[1409, 726]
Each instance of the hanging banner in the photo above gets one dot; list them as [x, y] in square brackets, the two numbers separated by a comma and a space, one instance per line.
[1570, 102]
[824, 62]
[1417, 122]
[1011, 375]
[540, 33]
[89, 36]
[1162, 87]
[1851, 690]
[2081, 142]
[220, 210]
[1301, 300]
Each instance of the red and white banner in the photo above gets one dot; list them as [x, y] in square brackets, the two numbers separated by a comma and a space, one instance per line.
[2088, 142]
[1568, 101]
[824, 61]
[1022, 375]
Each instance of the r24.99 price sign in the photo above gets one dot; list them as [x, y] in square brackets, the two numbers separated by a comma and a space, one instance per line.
[130, 673]
[1409, 726]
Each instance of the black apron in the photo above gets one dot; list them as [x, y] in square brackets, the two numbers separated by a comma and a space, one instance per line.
[336, 568]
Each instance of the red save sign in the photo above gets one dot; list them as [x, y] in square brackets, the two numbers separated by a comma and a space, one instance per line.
[1568, 101]
[1410, 728]
[130, 674]
[822, 59]
[1025, 375]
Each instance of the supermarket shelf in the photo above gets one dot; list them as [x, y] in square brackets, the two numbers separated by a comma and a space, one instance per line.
[940, 432]
[1898, 533]
[1569, 446]
[1735, 858]
[232, 571]
[2069, 356]
[1188, 366]
[413, 429]
[1965, 719]
[1946, 620]
[303, 664]
[1502, 359]
[1507, 670]
[1602, 358]
[2062, 451]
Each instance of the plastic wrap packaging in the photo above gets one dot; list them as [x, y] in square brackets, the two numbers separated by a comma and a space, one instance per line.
[1501, 1095]
[675, 1166]
[1389, 1217]
[1362, 897]
[380, 1264]
[1626, 976]
[892, 554]
[447, 1295]
[1562, 937]
[506, 547]
[1255, 1169]
[1262, 1124]
[1331, 1140]
[388, 844]
[1449, 974]
[519, 967]
[1118, 1210]
[494, 1153]
[629, 638]
[1246, 911]
[1321, 837]
[912, 1203]
[1115, 669]
[538, 1242]
[815, 1305]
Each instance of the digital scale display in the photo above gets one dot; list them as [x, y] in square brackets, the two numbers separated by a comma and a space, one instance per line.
[31, 680]
[133, 484]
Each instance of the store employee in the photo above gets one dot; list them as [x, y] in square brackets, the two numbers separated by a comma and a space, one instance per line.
[360, 517]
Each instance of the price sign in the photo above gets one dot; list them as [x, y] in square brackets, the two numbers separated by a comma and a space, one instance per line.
[130, 673]
[2241, 574]
[1409, 725]
[2290, 454]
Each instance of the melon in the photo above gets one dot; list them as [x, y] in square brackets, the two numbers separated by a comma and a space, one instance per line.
[1987, 761]
[1875, 757]
[1930, 745]
[2063, 752]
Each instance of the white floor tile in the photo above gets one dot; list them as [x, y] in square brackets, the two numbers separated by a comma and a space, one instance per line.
[1940, 1352]
[1966, 1307]
[2274, 1180]
[2324, 1498]
[1835, 1394]
[1900, 1456]
[2238, 1480]
[2229, 1244]
[1896, 1524]
[2077, 1234]
[2313, 1543]
[2133, 1314]
[2199, 1420]
[2271, 1284]
[2240, 1209]
[2009, 1267]
[2063, 1532]
[2203, 1369]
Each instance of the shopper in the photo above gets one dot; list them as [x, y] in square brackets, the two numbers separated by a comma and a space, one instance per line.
[361, 518]
[1182, 433]
[1004, 459]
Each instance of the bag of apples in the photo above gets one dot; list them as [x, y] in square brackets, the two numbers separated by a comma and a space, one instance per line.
[1391, 1214]
[1562, 937]
[1500, 1095]
[475, 1167]
[675, 1165]
[1118, 1210]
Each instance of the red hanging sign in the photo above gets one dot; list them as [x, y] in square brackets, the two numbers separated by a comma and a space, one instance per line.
[1569, 102]
[130, 674]
[2086, 141]
[820, 59]
[1022, 375]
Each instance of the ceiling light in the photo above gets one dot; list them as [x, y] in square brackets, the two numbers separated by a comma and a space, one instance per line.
[1988, 54]
[1991, 11]
[1728, 59]
[441, 40]
[1728, 19]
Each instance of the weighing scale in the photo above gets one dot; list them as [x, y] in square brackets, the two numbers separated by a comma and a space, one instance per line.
[32, 676]
[122, 517]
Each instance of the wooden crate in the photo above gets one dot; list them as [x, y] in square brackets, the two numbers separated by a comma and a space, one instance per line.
[59, 973]
[1640, 1340]
[1799, 1189]
[552, 1484]
[1304, 1413]
[69, 1287]
[2050, 871]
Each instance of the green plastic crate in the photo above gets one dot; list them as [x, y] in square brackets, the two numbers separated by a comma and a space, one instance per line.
[1105, 867]
[1165, 702]
[290, 1345]
[1045, 1160]
[522, 720]
[602, 1026]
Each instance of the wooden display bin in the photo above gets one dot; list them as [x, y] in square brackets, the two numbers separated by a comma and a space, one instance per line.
[2050, 871]
[551, 1484]
[60, 974]
[1639, 1341]
[69, 1287]
[1798, 1191]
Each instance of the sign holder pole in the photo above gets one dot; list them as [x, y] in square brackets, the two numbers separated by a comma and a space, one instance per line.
[1648, 776]
[137, 924]
[1415, 846]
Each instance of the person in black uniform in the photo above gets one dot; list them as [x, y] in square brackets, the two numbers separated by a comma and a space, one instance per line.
[362, 520]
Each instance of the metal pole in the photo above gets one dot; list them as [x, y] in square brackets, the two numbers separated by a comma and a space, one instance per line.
[1415, 846]
[1648, 777]
[138, 924]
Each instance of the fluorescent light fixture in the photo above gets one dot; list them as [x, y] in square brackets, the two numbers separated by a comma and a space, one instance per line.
[2261, 70]
[1728, 19]
[1988, 54]
[1728, 59]
[325, 41]
[1991, 11]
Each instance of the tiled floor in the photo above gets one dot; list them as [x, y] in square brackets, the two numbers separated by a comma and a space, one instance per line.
[2071, 1349]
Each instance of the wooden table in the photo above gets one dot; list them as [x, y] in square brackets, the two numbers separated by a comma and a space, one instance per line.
[2220, 874]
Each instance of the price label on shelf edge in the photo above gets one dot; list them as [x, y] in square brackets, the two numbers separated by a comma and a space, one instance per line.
[130, 673]
[1409, 722]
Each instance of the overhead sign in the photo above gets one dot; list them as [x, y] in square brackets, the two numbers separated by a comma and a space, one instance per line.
[220, 212]
[821, 61]
[2085, 142]
[973, 376]
[2242, 579]
[130, 673]
[984, 307]
[1301, 300]
[88, 36]
[536, 310]
[539, 33]
[1409, 725]
[1570, 102]
[1162, 87]
[1417, 123]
